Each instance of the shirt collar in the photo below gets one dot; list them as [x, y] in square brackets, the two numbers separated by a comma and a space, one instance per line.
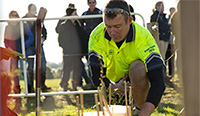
[130, 37]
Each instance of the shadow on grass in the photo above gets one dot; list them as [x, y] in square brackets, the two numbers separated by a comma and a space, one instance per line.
[48, 104]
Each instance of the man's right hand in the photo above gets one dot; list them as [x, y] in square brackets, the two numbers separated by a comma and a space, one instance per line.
[119, 87]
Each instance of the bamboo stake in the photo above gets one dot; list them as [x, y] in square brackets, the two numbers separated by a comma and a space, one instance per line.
[82, 105]
[130, 99]
[106, 105]
[109, 94]
[101, 102]
[77, 103]
[125, 87]
[104, 101]
[96, 101]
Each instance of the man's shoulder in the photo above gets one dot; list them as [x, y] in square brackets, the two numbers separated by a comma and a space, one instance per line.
[85, 13]
[98, 10]
[25, 16]
[100, 28]
[141, 33]
[138, 27]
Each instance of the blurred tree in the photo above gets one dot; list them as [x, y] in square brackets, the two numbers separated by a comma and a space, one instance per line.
[49, 73]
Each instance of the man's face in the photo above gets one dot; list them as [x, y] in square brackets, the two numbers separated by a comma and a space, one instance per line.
[92, 4]
[33, 10]
[117, 28]
[161, 7]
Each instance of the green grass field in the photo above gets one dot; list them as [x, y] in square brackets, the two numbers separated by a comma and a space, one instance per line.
[60, 105]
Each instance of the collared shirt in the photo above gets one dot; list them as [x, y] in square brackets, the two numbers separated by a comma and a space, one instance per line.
[139, 44]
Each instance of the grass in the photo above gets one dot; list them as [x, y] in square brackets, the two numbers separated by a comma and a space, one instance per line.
[59, 105]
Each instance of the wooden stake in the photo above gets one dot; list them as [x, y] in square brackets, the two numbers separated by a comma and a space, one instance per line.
[105, 102]
[130, 100]
[101, 102]
[97, 106]
[110, 94]
[82, 105]
[77, 103]
[130, 95]
[125, 88]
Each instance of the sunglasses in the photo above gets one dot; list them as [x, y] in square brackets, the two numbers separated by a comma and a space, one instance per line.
[92, 2]
[116, 11]
[14, 15]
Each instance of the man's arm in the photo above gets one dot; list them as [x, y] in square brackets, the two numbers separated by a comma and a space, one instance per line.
[95, 65]
[155, 92]
[44, 32]
[154, 17]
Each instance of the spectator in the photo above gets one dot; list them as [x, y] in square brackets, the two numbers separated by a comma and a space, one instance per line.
[127, 51]
[175, 25]
[89, 25]
[164, 29]
[170, 55]
[31, 51]
[12, 40]
[71, 50]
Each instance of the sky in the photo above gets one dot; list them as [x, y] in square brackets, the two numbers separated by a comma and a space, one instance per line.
[56, 8]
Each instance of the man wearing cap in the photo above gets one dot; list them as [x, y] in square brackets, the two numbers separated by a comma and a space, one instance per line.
[70, 41]
[120, 47]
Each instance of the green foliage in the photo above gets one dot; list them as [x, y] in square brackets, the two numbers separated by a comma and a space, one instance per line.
[54, 65]
[57, 74]
[49, 74]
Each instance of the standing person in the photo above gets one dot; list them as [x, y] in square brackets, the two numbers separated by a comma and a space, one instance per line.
[164, 29]
[175, 24]
[89, 25]
[170, 55]
[70, 41]
[126, 50]
[12, 40]
[31, 51]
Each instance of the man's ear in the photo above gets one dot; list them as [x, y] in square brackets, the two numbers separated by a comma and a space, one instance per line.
[130, 20]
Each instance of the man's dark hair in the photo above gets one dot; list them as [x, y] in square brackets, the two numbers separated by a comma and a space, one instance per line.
[71, 5]
[158, 4]
[29, 6]
[89, 1]
[113, 8]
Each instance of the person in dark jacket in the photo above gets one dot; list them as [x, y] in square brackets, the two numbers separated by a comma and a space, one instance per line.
[164, 28]
[70, 42]
[89, 25]
[31, 51]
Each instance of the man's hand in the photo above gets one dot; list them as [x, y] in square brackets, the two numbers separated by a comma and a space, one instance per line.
[120, 87]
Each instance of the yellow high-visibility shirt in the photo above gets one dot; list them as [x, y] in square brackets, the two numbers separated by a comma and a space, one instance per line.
[139, 44]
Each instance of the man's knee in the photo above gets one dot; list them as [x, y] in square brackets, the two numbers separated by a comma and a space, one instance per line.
[137, 72]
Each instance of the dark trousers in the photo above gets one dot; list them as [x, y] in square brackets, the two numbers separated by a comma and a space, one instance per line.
[31, 63]
[71, 63]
